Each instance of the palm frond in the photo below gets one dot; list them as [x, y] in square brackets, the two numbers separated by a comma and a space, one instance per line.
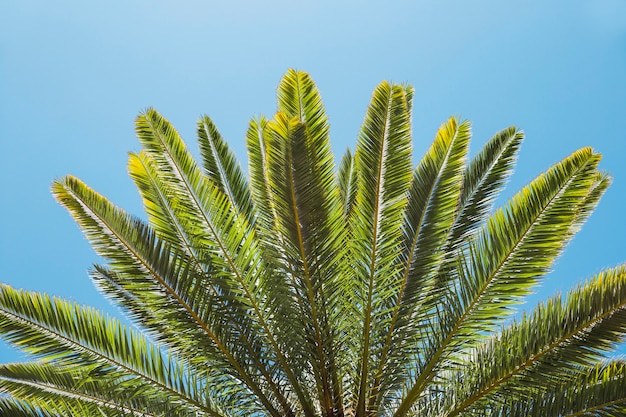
[256, 143]
[366, 289]
[94, 391]
[172, 298]
[208, 291]
[519, 243]
[299, 98]
[382, 162]
[544, 350]
[207, 212]
[598, 390]
[433, 199]
[483, 179]
[308, 223]
[222, 167]
[143, 264]
[71, 335]
[347, 181]
[19, 408]
[515, 248]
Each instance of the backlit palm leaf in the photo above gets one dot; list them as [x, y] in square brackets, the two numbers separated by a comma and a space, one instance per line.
[367, 288]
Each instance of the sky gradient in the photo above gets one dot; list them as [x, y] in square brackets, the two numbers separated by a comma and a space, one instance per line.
[73, 76]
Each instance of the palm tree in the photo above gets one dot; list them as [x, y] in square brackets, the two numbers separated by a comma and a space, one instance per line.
[371, 288]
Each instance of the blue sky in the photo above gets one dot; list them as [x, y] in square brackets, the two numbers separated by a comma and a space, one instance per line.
[74, 74]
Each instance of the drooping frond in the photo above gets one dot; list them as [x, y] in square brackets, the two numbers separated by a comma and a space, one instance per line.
[597, 390]
[171, 297]
[76, 336]
[92, 391]
[19, 408]
[547, 347]
[142, 264]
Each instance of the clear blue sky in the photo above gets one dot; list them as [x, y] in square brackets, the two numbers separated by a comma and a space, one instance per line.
[74, 74]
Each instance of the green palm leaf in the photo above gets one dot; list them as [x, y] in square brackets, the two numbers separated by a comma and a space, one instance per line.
[516, 247]
[521, 241]
[382, 162]
[347, 179]
[56, 387]
[303, 193]
[543, 349]
[483, 179]
[600, 390]
[76, 336]
[171, 297]
[207, 213]
[221, 166]
[17, 408]
[207, 289]
[429, 216]
[256, 141]
[367, 288]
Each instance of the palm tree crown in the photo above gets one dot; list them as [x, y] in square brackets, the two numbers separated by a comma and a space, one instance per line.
[371, 288]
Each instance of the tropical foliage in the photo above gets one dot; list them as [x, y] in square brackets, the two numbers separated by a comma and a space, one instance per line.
[308, 289]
